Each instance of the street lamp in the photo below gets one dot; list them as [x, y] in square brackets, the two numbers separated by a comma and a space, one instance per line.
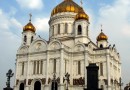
[67, 80]
[9, 74]
[120, 82]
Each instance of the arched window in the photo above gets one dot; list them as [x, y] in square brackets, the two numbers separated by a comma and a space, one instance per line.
[21, 87]
[58, 28]
[31, 39]
[66, 27]
[37, 85]
[101, 46]
[101, 69]
[25, 38]
[79, 30]
[54, 66]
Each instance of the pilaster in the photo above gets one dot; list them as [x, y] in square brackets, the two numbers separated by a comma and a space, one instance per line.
[47, 67]
[26, 86]
[85, 64]
[108, 71]
[61, 66]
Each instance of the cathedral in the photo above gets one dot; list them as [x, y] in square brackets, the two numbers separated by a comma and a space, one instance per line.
[68, 51]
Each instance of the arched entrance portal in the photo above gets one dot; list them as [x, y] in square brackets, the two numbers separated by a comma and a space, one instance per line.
[37, 85]
[21, 86]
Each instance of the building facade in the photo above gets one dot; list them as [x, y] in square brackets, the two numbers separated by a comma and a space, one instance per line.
[68, 50]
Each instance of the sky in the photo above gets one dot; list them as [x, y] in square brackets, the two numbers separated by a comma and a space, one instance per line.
[114, 15]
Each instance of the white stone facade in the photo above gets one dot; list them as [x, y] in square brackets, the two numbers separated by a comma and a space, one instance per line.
[67, 50]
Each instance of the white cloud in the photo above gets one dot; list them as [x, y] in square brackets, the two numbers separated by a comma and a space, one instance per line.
[31, 4]
[116, 24]
[41, 24]
[115, 17]
[9, 44]
[14, 22]
[126, 30]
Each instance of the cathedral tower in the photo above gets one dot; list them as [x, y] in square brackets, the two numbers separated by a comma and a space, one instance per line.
[102, 40]
[81, 25]
[28, 33]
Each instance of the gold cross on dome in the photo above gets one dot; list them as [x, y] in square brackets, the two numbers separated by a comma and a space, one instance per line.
[81, 2]
[30, 17]
[101, 27]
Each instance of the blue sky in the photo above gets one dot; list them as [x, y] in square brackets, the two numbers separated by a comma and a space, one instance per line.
[14, 14]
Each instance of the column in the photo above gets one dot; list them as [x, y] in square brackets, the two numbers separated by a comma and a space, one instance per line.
[112, 74]
[26, 86]
[61, 69]
[85, 64]
[47, 67]
[16, 69]
[108, 71]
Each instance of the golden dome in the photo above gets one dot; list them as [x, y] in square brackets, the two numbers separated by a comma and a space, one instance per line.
[29, 27]
[102, 36]
[66, 6]
[81, 15]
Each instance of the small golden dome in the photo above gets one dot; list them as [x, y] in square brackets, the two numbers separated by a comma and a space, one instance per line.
[102, 36]
[66, 6]
[29, 27]
[81, 15]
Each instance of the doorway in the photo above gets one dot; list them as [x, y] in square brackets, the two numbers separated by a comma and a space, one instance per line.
[37, 85]
[21, 86]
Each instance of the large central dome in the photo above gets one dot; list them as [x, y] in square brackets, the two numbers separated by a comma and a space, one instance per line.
[66, 6]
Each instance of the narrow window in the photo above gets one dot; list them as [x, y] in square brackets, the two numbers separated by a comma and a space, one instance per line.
[101, 69]
[41, 67]
[87, 31]
[31, 39]
[54, 65]
[65, 65]
[58, 28]
[23, 68]
[101, 46]
[52, 30]
[37, 67]
[34, 67]
[79, 67]
[25, 38]
[79, 30]
[66, 27]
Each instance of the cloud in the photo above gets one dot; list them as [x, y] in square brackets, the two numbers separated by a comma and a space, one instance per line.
[41, 24]
[31, 4]
[9, 44]
[115, 17]
[116, 24]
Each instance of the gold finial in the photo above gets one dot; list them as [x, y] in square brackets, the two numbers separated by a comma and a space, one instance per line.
[81, 2]
[30, 17]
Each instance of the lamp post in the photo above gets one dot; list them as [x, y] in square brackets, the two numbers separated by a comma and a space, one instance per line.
[120, 82]
[67, 80]
[9, 74]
